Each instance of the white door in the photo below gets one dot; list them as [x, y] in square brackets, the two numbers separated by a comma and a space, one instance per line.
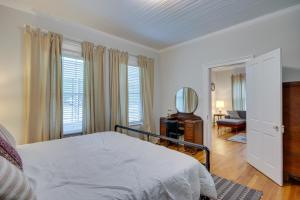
[264, 114]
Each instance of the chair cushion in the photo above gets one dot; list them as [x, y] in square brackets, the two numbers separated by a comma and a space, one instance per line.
[231, 122]
[233, 114]
[172, 126]
[242, 114]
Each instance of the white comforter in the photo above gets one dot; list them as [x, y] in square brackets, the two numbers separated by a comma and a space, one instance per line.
[110, 165]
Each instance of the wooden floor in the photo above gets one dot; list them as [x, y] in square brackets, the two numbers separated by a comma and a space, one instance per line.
[228, 160]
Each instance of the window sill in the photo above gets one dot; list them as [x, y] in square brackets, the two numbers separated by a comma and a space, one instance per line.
[66, 135]
[136, 124]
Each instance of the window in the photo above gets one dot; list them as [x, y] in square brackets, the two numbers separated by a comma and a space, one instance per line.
[72, 94]
[238, 82]
[134, 96]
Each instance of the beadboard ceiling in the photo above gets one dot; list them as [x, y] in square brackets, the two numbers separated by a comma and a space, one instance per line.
[156, 23]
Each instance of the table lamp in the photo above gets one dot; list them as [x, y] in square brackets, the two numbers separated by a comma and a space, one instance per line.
[219, 105]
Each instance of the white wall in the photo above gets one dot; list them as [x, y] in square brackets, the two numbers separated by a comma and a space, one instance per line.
[182, 65]
[291, 74]
[223, 90]
[11, 69]
[213, 95]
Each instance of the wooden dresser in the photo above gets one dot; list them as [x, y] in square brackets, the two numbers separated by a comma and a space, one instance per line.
[291, 136]
[191, 125]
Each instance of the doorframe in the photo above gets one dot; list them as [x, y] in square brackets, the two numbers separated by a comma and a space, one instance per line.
[207, 111]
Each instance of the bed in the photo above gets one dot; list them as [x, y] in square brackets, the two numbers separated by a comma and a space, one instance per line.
[111, 165]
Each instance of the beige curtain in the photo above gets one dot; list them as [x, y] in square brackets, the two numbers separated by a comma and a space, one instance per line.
[147, 78]
[118, 64]
[93, 100]
[43, 83]
[238, 82]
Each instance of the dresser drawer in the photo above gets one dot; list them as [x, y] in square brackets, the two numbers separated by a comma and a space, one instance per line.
[163, 128]
[189, 133]
[189, 125]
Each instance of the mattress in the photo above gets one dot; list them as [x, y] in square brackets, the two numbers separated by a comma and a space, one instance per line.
[110, 165]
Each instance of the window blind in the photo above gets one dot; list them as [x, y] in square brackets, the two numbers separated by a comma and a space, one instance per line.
[72, 94]
[134, 96]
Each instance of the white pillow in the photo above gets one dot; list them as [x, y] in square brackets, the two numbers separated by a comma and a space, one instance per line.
[4, 133]
[14, 184]
[233, 115]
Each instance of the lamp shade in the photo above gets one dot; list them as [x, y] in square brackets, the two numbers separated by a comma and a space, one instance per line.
[219, 104]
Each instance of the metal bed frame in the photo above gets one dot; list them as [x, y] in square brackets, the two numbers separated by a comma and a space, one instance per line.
[178, 142]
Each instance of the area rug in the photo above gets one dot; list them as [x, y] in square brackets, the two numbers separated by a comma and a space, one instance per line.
[228, 190]
[239, 138]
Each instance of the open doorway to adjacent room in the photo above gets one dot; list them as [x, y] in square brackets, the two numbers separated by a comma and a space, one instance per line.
[228, 100]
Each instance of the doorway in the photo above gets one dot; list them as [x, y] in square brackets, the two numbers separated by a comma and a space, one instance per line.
[208, 87]
[228, 105]
[264, 112]
[228, 112]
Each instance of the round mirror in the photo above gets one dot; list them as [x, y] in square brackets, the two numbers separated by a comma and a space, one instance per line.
[186, 100]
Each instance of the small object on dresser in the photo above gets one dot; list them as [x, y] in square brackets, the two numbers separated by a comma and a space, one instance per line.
[169, 113]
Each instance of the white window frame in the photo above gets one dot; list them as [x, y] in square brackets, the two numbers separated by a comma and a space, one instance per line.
[72, 50]
[133, 62]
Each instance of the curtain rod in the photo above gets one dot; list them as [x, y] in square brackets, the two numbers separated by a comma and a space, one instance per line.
[79, 43]
[65, 37]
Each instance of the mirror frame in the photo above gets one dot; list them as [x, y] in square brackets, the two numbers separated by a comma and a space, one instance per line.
[195, 106]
